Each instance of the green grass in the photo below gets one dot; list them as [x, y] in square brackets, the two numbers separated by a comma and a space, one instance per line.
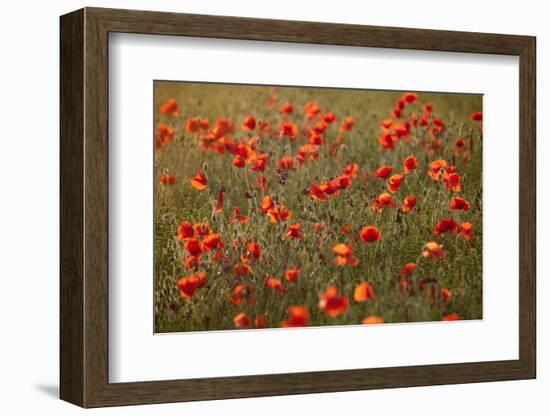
[404, 234]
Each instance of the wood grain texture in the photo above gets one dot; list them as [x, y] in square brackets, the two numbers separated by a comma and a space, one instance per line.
[84, 207]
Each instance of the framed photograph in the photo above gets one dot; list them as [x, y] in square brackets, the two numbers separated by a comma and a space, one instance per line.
[257, 207]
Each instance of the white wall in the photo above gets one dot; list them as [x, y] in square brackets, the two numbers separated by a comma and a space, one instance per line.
[29, 205]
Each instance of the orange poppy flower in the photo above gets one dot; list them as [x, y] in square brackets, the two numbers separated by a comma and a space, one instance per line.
[447, 225]
[332, 303]
[190, 262]
[259, 162]
[202, 229]
[188, 285]
[341, 182]
[238, 217]
[408, 269]
[193, 246]
[458, 203]
[384, 171]
[294, 231]
[451, 317]
[347, 123]
[261, 183]
[446, 294]
[167, 179]
[387, 141]
[275, 284]
[409, 203]
[385, 200]
[312, 110]
[410, 163]
[452, 181]
[286, 108]
[279, 213]
[171, 107]
[164, 135]
[199, 181]
[363, 292]
[410, 97]
[370, 234]
[212, 242]
[185, 231]
[436, 168]
[255, 250]
[239, 162]
[267, 203]
[241, 320]
[260, 322]
[286, 162]
[298, 316]
[291, 275]
[242, 269]
[373, 320]
[395, 182]
[318, 193]
[477, 116]
[434, 250]
[249, 123]
[351, 170]
[288, 129]
[466, 231]
[344, 255]
[193, 125]
[241, 294]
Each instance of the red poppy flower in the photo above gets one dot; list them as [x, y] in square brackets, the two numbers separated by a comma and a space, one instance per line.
[341, 182]
[395, 182]
[286, 108]
[185, 231]
[167, 179]
[294, 231]
[434, 250]
[410, 163]
[332, 303]
[344, 255]
[396, 113]
[190, 262]
[347, 123]
[384, 171]
[452, 181]
[351, 170]
[286, 162]
[329, 117]
[466, 231]
[436, 169]
[242, 293]
[279, 213]
[188, 285]
[239, 162]
[260, 322]
[275, 284]
[202, 229]
[291, 275]
[318, 193]
[458, 203]
[238, 217]
[370, 234]
[409, 203]
[288, 129]
[212, 242]
[193, 246]
[249, 123]
[241, 320]
[410, 97]
[171, 107]
[312, 110]
[373, 320]
[242, 269]
[164, 135]
[254, 249]
[261, 183]
[267, 203]
[385, 200]
[408, 269]
[447, 225]
[199, 181]
[446, 294]
[451, 317]
[219, 201]
[363, 292]
[428, 108]
[477, 116]
[298, 316]
[259, 162]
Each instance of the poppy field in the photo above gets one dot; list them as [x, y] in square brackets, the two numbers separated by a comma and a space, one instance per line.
[279, 207]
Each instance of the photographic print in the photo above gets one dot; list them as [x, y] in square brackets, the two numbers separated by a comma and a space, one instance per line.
[281, 207]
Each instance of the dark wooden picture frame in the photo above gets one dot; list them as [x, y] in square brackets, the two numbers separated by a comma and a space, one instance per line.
[84, 207]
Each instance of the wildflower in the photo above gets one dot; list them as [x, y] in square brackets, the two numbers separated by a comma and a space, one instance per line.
[332, 303]
[410, 163]
[451, 317]
[255, 250]
[171, 107]
[408, 269]
[188, 285]
[286, 128]
[370, 234]
[298, 317]
[163, 135]
[260, 322]
[477, 116]
[249, 123]
[242, 269]
[286, 162]
[410, 97]
[466, 231]
[409, 203]
[433, 250]
[344, 255]
[291, 275]
[351, 170]
[395, 182]
[347, 123]
[385, 200]
[446, 294]
[167, 179]
[199, 181]
[238, 217]
[363, 292]
[384, 171]
[242, 294]
[286, 108]
[275, 284]
[458, 203]
[436, 168]
[193, 246]
[294, 231]
[447, 225]
[373, 320]
[452, 181]
[219, 201]
[241, 320]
